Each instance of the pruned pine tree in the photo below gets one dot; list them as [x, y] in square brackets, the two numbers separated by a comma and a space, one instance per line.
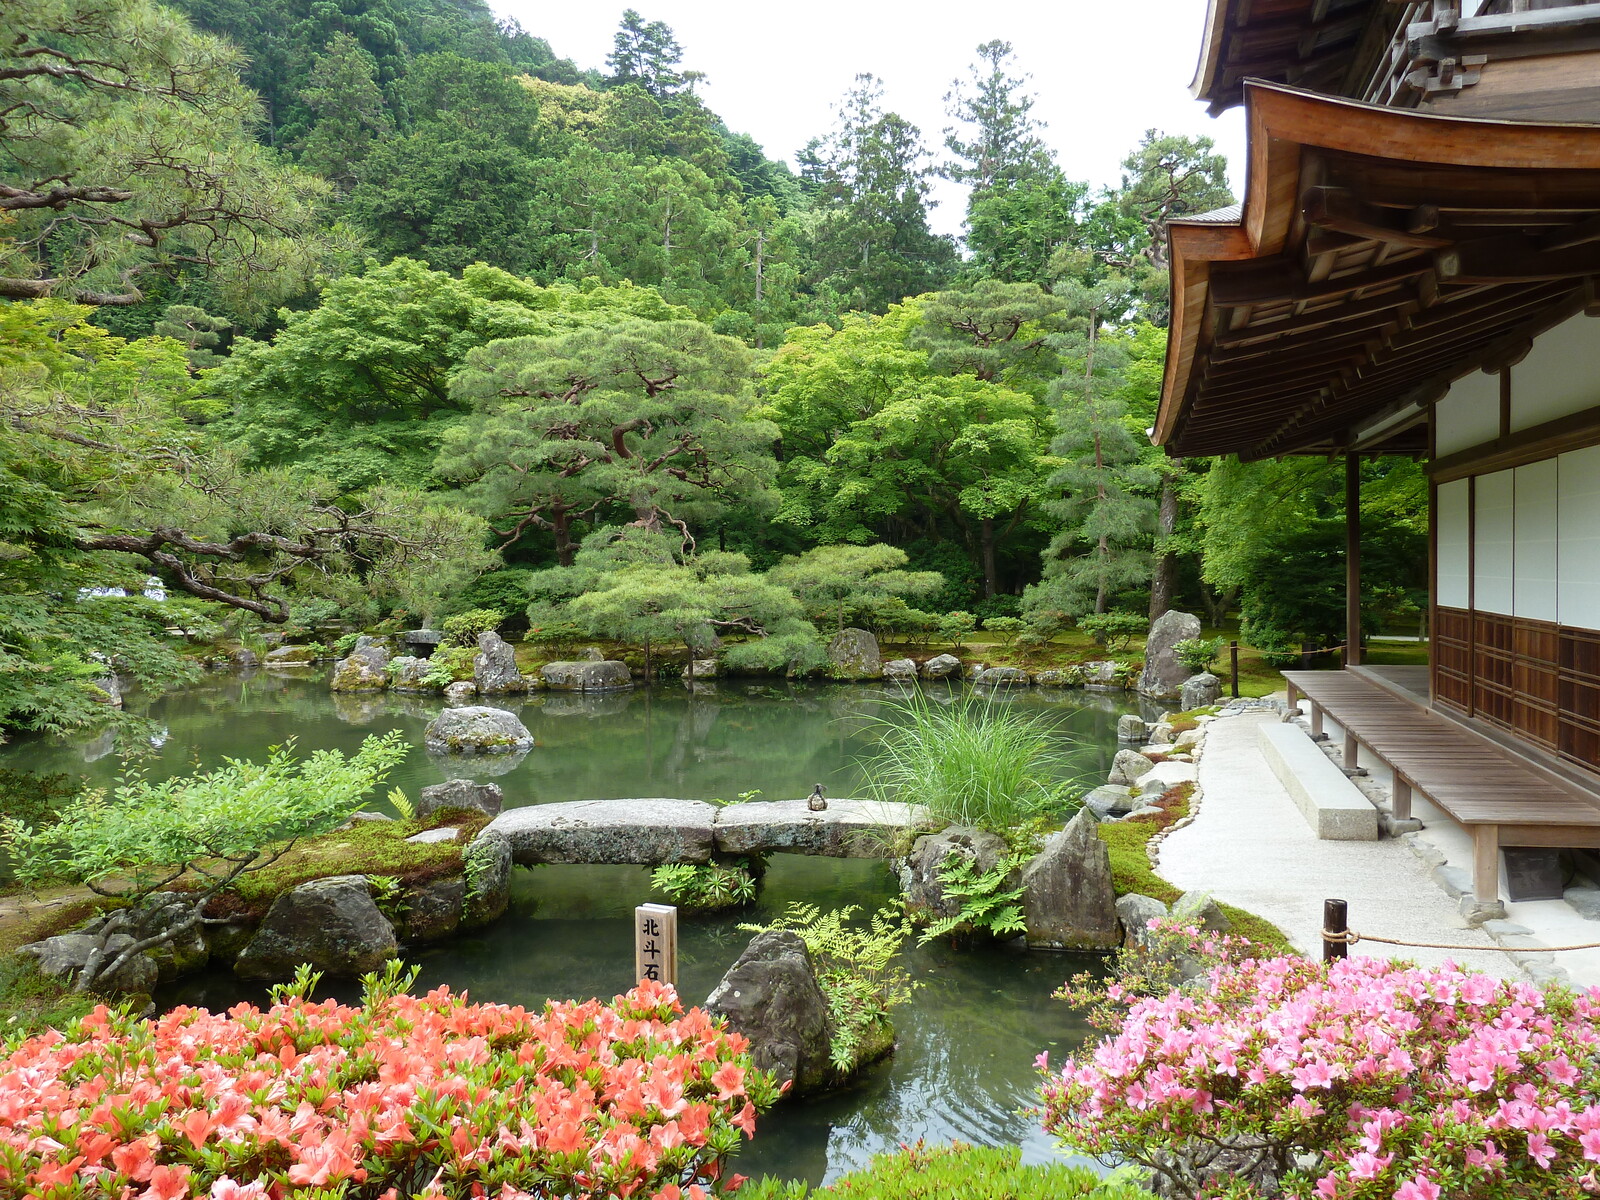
[1101, 491]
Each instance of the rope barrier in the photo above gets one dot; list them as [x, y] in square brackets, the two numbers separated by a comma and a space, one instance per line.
[1350, 937]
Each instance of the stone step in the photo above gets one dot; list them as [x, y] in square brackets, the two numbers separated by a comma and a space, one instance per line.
[1334, 807]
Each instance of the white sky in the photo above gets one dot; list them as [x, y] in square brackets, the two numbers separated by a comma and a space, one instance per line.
[1103, 72]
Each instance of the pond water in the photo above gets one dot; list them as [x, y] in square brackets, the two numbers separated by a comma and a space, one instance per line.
[963, 1067]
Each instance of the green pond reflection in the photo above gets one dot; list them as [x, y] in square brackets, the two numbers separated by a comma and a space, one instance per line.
[963, 1067]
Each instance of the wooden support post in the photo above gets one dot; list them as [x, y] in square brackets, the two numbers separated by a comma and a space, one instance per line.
[1352, 558]
[1401, 799]
[1316, 720]
[1351, 753]
[1294, 698]
[1486, 863]
[1335, 920]
[655, 943]
[1233, 658]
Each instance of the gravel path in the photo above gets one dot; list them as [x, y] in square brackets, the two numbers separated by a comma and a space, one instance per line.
[1249, 846]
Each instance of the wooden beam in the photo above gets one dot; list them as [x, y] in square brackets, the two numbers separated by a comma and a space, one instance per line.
[1565, 238]
[1342, 210]
[1515, 258]
[1322, 318]
[1278, 280]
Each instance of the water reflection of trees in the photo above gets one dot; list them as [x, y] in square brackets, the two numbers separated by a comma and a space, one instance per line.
[773, 736]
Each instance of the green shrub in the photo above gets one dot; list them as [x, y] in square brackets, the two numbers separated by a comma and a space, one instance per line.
[956, 627]
[706, 886]
[858, 971]
[1113, 631]
[1197, 654]
[463, 628]
[345, 644]
[973, 762]
[957, 1172]
[1006, 627]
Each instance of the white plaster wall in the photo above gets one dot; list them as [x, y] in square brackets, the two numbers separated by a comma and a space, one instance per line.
[1578, 567]
[1535, 541]
[1560, 376]
[1494, 530]
[1469, 414]
[1450, 524]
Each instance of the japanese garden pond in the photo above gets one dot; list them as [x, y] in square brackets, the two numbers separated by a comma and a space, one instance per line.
[963, 1068]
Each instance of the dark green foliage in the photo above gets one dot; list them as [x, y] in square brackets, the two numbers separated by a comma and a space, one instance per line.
[1113, 631]
[705, 886]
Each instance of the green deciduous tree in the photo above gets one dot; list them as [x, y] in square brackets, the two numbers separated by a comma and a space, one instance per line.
[876, 444]
[358, 388]
[129, 158]
[108, 478]
[202, 832]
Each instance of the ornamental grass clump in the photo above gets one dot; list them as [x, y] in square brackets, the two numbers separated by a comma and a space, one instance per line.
[426, 1096]
[972, 762]
[1363, 1079]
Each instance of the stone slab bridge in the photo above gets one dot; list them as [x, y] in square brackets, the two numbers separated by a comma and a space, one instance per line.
[656, 831]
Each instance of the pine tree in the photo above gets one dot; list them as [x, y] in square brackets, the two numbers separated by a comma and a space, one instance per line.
[348, 109]
[646, 53]
[1100, 493]
[1004, 145]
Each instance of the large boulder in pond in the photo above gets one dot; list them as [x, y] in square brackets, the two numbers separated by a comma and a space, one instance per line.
[1128, 767]
[1068, 900]
[291, 656]
[494, 669]
[854, 654]
[607, 675]
[901, 669]
[486, 871]
[771, 995]
[1163, 675]
[921, 871]
[476, 729]
[332, 924]
[362, 671]
[942, 666]
[461, 793]
[408, 673]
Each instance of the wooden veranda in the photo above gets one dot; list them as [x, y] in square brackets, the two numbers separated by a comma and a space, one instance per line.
[1501, 796]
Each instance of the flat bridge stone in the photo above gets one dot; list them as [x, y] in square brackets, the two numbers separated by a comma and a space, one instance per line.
[648, 831]
[662, 830]
[845, 829]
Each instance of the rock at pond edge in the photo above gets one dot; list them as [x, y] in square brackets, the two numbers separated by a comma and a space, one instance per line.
[771, 996]
[333, 924]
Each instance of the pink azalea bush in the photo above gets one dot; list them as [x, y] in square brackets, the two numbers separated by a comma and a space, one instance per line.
[1360, 1080]
[402, 1096]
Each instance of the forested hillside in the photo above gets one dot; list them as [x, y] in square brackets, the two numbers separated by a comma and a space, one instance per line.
[383, 308]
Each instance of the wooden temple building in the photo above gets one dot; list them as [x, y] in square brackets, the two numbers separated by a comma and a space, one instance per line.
[1415, 269]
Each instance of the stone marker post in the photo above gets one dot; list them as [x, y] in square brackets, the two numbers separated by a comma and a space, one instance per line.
[655, 943]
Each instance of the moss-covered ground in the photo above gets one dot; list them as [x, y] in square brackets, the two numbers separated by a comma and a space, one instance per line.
[1128, 845]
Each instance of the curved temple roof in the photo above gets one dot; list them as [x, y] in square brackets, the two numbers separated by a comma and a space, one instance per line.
[1380, 254]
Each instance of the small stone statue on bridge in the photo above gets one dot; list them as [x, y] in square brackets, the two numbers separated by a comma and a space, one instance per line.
[817, 802]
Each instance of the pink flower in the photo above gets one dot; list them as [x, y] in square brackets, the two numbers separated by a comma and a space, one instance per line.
[1419, 1187]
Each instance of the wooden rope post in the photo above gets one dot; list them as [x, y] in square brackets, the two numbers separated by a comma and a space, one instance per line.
[1233, 657]
[1335, 921]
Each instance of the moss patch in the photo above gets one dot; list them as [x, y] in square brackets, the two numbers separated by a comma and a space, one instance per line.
[366, 848]
[1127, 843]
[31, 1003]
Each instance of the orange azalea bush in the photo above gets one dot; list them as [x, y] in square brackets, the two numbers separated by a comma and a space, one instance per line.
[402, 1096]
